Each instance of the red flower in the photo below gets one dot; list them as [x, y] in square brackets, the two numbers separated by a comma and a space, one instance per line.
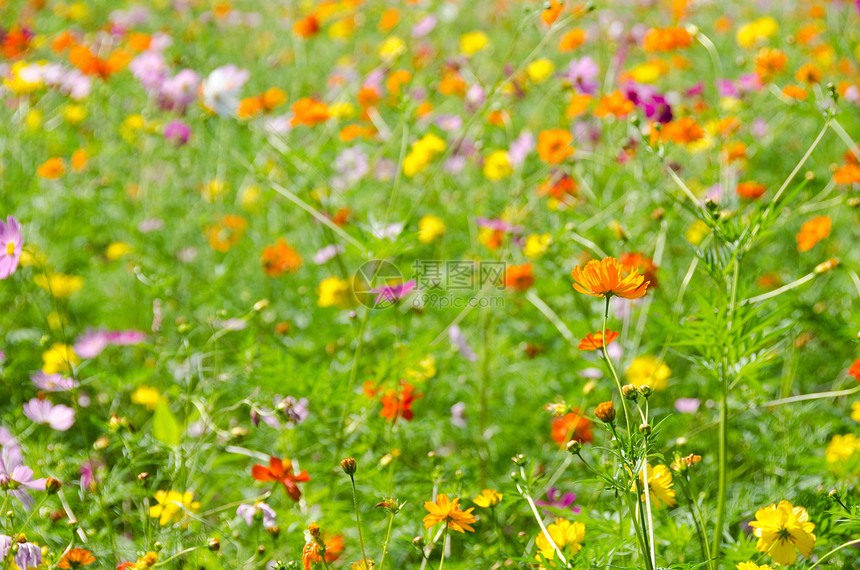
[855, 369]
[571, 427]
[282, 471]
[399, 404]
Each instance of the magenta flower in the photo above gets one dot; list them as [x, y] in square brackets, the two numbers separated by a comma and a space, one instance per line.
[559, 500]
[393, 293]
[89, 480]
[53, 382]
[58, 417]
[687, 405]
[10, 246]
[177, 132]
[16, 478]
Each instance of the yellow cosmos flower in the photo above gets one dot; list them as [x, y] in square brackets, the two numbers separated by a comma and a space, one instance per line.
[59, 285]
[59, 358]
[855, 411]
[497, 165]
[117, 249]
[540, 70]
[430, 228]
[757, 32]
[841, 447]
[537, 245]
[752, 566]
[782, 528]
[335, 292]
[448, 511]
[147, 397]
[392, 48]
[568, 536]
[488, 498]
[172, 504]
[659, 485]
[648, 371]
[473, 42]
[697, 232]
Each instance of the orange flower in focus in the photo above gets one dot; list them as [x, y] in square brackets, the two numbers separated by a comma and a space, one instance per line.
[615, 104]
[551, 13]
[279, 258]
[631, 261]
[667, 39]
[595, 340]
[226, 233]
[398, 404]
[769, 63]
[519, 277]
[333, 550]
[855, 370]
[571, 427]
[812, 232]
[310, 112]
[604, 278]
[75, 558]
[52, 169]
[448, 511]
[572, 40]
[307, 27]
[848, 174]
[281, 471]
[554, 145]
[750, 190]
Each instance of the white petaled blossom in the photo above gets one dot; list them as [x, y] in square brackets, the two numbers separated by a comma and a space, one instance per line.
[249, 512]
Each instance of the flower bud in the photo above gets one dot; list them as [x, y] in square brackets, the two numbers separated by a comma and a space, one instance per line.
[605, 412]
[143, 476]
[629, 391]
[519, 459]
[574, 446]
[261, 550]
[214, 544]
[645, 391]
[826, 266]
[274, 531]
[314, 530]
[418, 542]
[52, 486]
[645, 429]
[348, 465]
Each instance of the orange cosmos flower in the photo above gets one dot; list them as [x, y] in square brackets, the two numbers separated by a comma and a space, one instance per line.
[578, 105]
[750, 190]
[310, 112]
[75, 558]
[667, 39]
[79, 160]
[848, 174]
[571, 427]
[281, 470]
[561, 187]
[52, 168]
[795, 92]
[551, 13]
[307, 27]
[604, 277]
[769, 63]
[333, 550]
[735, 151]
[519, 277]
[279, 258]
[682, 131]
[812, 232]
[554, 145]
[389, 19]
[808, 73]
[226, 233]
[855, 370]
[595, 340]
[448, 511]
[398, 404]
[572, 40]
[615, 104]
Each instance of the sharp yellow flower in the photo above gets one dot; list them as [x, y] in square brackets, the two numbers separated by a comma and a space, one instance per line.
[448, 511]
[782, 528]
[488, 498]
[659, 485]
[604, 277]
[568, 536]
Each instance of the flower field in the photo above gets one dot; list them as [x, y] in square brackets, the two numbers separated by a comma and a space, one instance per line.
[365, 284]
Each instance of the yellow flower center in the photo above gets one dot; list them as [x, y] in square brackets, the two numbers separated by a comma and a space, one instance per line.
[10, 249]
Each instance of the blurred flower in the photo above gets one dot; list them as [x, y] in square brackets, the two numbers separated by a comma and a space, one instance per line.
[93, 342]
[648, 371]
[582, 74]
[488, 498]
[335, 292]
[659, 485]
[854, 370]
[752, 566]
[782, 528]
[177, 132]
[220, 90]
[397, 403]
[566, 535]
[448, 511]
[604, 277]
[497, 165]
[812, 232]
[455, 334]
[392, 293]
[226, 233]
[172, 504]
[327, 253]
[147, 397]
[11, 242]
[473, 42]
[556, 499]
[536, 245]
[89, 480]
[571, 427]
[117, 249]
[58, 417]
[259, 508]
[554, 145]
[756, 32]
[750, 190]
[539, 70]
[53, 382]
[279, 258]
[519, 277]
[59, 358]
[15, 477]
[687, 405]
[281, 471]
[615, 104]
[52, 168]
[430, 228]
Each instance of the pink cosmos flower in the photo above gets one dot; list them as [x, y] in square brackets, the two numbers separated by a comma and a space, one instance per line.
[393, 293]
[58, 417]
[10, 246]
[53, 382]
[93, 342]
[16, 477]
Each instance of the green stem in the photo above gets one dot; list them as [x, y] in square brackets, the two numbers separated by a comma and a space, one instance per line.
[612, 369]
[444, 540]
[353, 374]
[649, 522]
[358, 522]
[837, 549]
[385, 544]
